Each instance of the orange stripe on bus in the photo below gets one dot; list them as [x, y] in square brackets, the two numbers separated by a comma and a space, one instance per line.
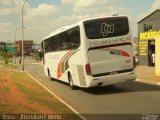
[59, 72]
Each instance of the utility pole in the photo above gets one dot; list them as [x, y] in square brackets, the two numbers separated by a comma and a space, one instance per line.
[23, 37]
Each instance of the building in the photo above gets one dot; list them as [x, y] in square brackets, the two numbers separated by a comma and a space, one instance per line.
[148, 29]
[27, 47]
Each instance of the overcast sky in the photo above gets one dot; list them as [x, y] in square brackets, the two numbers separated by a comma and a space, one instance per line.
[44, 16]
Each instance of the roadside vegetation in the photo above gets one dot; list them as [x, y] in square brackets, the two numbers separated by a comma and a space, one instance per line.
[6, 60]
[19, 94]
[6, 57]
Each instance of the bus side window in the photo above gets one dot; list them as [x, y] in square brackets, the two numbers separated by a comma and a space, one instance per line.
[46, 46]
[76, 37]
[54, 43]
[73, 38]
[62, 41]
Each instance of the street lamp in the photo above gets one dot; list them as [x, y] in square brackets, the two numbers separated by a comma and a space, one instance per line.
[23, 38]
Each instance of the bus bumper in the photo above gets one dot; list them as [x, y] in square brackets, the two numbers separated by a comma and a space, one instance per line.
[111, 79]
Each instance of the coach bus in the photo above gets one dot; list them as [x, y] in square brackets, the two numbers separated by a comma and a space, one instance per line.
[92, 52]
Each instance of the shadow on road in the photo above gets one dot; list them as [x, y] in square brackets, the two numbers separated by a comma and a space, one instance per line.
[122, 88]
[125, 87]
[104, 90]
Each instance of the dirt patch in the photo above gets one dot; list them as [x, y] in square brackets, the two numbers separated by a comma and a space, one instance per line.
[13, 94]
[15, 97]
[19, 94]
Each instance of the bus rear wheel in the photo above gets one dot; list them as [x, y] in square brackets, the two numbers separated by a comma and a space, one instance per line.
[71, 83]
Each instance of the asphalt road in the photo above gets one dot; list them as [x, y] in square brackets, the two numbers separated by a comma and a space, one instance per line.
[129, 100]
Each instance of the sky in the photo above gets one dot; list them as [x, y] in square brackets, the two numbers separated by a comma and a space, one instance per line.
[42, 17]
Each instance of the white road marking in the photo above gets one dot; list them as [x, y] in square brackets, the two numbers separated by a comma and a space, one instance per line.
[69, 106]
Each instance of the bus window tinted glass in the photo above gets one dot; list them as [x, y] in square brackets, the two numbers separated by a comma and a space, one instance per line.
[69, 39]
[106, 27]
[66, 40]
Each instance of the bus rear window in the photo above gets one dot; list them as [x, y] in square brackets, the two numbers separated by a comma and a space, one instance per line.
[106, 27]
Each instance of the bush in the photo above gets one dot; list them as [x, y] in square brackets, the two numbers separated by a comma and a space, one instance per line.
[6, 57]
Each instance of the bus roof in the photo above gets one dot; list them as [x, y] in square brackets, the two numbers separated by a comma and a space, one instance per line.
[78, 23]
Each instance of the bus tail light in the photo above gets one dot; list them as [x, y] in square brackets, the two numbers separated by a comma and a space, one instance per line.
[88, 69]
[134, 62]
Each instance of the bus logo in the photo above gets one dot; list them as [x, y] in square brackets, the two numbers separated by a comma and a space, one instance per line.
[106, 29]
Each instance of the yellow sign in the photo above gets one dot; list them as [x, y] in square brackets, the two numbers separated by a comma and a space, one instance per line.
[149, 35]
[157, 55]
[143, 47]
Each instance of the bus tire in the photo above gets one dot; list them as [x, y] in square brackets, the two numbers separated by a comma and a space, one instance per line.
[71, 83]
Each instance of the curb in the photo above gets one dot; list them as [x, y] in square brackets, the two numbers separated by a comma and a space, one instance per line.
[148, 82]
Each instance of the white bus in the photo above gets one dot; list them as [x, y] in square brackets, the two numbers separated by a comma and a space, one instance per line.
[93, 52]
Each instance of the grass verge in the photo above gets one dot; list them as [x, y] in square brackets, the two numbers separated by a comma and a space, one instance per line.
[20, 94]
